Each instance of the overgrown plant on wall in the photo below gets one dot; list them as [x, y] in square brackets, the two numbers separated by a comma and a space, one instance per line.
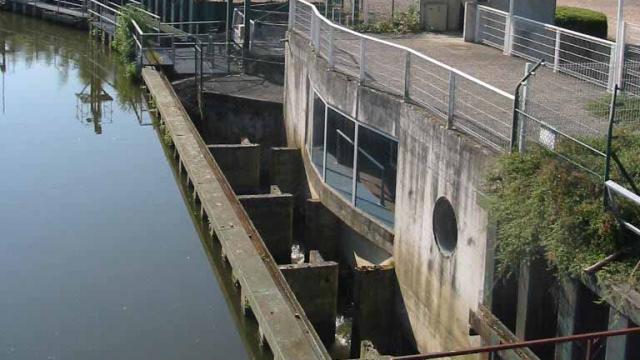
[402, 23]
[123, 41]
[547, 207]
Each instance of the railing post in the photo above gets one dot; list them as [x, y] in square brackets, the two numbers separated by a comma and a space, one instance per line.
[452, 99]
[292, 13]
[508, 29]
[620, 58]
[173, 50]
[478, 37]
[556, 53]
[363, 60]
[314, 32]
[522, 129]
[407, 76]
[330, 55]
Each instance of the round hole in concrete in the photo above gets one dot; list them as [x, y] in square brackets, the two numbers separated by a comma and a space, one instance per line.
[445, 226]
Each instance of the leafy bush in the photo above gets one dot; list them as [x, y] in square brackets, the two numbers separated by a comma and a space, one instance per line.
[123, 41]
[582, 20]
[547, 208]
[627, 106]
[402, 23]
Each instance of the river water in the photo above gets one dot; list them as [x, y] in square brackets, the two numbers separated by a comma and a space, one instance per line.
[99, 255]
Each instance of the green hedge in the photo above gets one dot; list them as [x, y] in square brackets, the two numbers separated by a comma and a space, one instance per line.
[582, 20]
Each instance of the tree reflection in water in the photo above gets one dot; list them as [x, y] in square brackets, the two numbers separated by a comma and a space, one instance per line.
[67, 49]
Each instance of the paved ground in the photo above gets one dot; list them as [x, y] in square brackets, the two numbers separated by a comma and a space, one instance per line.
[562, 100]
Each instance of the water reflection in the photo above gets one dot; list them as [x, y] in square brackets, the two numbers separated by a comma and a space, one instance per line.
[99, 258]
[102, 76]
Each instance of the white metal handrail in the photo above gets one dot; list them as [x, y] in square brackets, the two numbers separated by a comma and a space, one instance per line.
[478, 108]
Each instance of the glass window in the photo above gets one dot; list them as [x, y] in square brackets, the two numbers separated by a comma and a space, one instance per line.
[317, 133]
[376, 176]
[340, 141]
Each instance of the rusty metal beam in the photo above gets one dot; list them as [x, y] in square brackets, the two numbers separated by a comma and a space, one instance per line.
[523, 344]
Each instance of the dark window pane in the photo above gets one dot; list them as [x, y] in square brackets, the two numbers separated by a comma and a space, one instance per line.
[376, 182]
[317, 140]
[340, 137]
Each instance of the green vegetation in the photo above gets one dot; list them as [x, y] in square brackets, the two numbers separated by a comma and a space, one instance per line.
[402, 23]
[627, 106]
[582, 20]
[547, 208]
[123, 40]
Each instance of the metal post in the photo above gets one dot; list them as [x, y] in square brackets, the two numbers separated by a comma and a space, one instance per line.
[620, 34]
[612, 116]
[363, 60]
[247, 24]
[228, 24]
[292, 13]
[330, 55]
[522, 136]
[478, 37]
[556, 54]
[191, 4]
[407, 76]
[173, 50]
[326, 8]
[452, 99]
[508, 30]
[354, 184]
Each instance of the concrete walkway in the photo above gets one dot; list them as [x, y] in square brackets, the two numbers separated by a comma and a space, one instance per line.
[283, 324]
[560, 100]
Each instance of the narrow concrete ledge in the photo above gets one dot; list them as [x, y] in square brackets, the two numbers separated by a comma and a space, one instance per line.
[240, 164]
[265, 291]
[272, 215]
[316, 287]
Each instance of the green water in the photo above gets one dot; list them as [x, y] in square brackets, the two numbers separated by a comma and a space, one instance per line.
[99, 256]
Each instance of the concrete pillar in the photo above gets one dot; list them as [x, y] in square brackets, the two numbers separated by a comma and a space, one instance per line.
[535, 317]
[470, 21]
[321, 229]
[374, 301]
[272, 215]
[617, 345]
[315, 285]
[285, 169]
[567, 312]
[240, 164]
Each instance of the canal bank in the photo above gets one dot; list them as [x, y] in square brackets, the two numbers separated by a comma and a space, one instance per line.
[99, 256]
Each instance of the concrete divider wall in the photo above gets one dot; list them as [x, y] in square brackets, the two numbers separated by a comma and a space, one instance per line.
[437, 289]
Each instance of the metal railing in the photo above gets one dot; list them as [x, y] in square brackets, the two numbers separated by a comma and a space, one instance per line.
[586, 57]
[590, 339]
[467, 103]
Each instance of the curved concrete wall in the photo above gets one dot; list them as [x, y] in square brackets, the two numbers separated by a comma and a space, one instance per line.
[437, 290]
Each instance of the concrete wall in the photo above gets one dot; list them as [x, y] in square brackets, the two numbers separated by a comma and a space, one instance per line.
[438, 291]
[241, 165]
[540, 10]
[316, 287]
[229, 119]
[272, 215]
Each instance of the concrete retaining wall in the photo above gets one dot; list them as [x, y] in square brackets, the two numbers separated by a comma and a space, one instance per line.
[437, 290]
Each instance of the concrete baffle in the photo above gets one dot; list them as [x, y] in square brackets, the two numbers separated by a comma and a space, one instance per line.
[374, 298]
[240, 164]
[285, 169]
[316, 287]
[321, 229]
[272, 215]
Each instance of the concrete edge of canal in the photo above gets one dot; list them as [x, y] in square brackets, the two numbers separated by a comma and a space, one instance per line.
[264, 290]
